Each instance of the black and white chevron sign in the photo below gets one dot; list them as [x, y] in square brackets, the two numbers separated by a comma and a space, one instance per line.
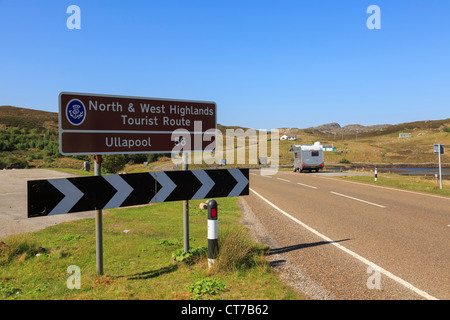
[58, 196]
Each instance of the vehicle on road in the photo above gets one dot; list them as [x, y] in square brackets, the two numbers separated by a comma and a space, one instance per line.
[307, 157]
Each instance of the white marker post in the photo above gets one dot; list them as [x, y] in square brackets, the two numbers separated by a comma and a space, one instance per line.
[376, 173]
[213, 232]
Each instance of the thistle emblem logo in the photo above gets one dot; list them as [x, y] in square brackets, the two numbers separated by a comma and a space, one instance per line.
[75, 112]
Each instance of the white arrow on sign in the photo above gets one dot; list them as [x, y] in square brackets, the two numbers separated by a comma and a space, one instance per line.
[123, 191]
[71, 195]
[241, 180]
[167, 186]
[207, 184]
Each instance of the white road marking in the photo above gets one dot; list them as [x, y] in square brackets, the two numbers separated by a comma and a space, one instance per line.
[305, 185]
[343, 195]
[284, 180]
[353, 254]
[389, 188]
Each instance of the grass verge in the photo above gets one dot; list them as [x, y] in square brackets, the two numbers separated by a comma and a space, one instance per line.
[140, 246]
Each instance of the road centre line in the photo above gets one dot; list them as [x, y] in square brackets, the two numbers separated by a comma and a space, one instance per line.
[284, 180]
[343, 195]
[353, 254]
[305, 185]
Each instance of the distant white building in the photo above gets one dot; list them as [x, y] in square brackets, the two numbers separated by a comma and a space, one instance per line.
[404, 135]
[288, 137]
[328, 147]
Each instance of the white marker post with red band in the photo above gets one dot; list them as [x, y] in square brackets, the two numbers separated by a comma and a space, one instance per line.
[213, 232]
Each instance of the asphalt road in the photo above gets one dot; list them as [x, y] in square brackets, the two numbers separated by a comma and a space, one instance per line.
[350, 240]
[13, 202]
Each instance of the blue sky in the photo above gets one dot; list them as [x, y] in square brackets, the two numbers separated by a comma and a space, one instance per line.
[267, 64]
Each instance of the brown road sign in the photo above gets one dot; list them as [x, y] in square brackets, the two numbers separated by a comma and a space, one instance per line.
[105, 124]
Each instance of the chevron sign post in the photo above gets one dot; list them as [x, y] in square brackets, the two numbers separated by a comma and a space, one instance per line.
[67, 195]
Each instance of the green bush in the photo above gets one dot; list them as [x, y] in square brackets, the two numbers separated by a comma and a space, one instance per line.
[113, 163]
[189, 257]
[206, 288]
[344, 160]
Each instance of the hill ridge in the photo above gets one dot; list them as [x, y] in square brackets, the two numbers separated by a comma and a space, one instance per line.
[11, 116]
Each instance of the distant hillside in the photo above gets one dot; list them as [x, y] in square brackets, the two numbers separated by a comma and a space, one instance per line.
[29, 138]
[348, 129]
[27, 118]
[223, 129]
[366, 131]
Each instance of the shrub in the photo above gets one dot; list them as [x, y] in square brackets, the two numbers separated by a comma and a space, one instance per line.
[113, 163]
[206, 288]
[344, 160]
[189, 257]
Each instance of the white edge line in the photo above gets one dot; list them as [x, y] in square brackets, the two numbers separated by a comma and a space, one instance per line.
[343, 195]
[353, 254]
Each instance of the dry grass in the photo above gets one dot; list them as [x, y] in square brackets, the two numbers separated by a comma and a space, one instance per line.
[238, 252]
[20, 247]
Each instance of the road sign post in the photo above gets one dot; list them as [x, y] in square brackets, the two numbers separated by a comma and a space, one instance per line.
[98, 222]
[440, 171]
[439, 149]
[185, 211]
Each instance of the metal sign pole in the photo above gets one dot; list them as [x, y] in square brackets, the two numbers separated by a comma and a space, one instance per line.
[185, 210]
[98, 222]
[440, 168]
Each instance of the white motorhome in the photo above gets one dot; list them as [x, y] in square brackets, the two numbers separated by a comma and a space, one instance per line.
[307, 157]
